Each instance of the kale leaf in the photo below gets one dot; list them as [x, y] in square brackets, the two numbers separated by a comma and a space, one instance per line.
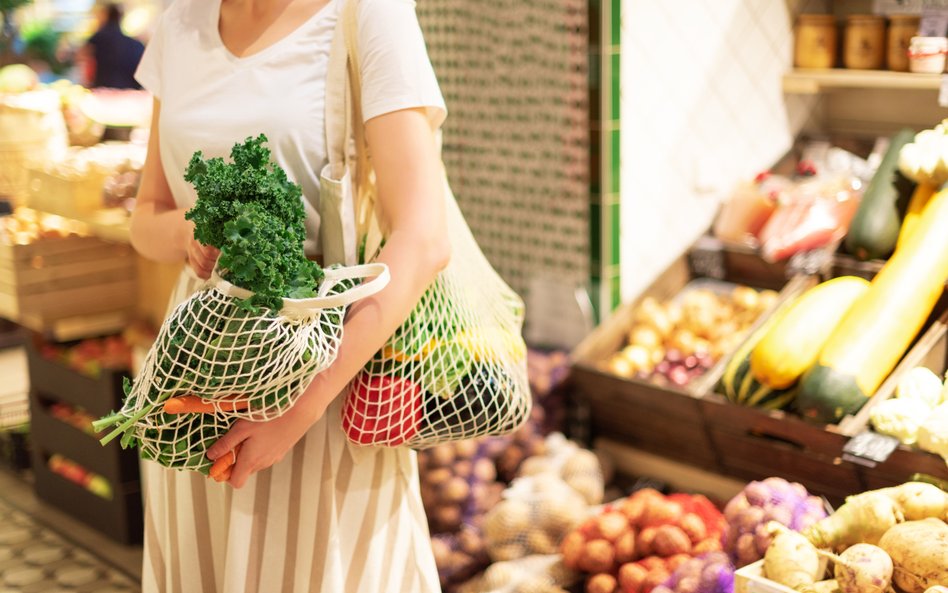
[252, 213]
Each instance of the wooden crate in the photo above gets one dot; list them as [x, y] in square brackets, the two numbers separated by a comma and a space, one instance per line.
[661, 419]
[56, 279]
[751, 579]
[71, 197]
[930, 351]
[753, 443]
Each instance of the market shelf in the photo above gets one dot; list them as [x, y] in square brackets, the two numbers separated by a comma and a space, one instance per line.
[110, 224]
[808, 82]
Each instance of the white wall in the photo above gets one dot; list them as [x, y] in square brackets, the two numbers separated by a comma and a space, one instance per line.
[702, 107]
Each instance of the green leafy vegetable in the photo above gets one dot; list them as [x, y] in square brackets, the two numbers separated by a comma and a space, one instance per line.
[252, 213]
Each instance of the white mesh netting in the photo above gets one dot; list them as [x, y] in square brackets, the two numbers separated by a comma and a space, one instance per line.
[235, 361]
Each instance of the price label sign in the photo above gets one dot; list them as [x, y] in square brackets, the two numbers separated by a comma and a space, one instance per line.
[869, 448]
[934, 22]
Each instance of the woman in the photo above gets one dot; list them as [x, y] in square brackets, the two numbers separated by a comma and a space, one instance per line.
[304, 510]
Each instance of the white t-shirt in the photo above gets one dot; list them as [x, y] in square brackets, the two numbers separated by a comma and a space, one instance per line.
[211, 99]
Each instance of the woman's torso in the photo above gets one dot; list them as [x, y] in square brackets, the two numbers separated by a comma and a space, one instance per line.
[211, 99]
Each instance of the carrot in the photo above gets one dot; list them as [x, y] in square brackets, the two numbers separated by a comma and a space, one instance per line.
[224, 464]
[192, 404]
[225, 476]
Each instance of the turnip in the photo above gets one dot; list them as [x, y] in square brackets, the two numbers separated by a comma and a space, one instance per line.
[792, 560]
[919, 551]
[863, 519]
[863, 568]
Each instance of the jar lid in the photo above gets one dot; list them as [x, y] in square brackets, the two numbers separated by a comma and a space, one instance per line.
[818, 18]
[929, 43]
[869, 18]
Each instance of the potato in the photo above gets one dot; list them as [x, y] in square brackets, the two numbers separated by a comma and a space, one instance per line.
[598, 556]
[661, 512]
[438, 476]
[572, 548]
[631, 577]
[694, 527]
[499, 575]
[625, 547]
[654, 579]
[712, 544]
[601, 583]
[462, 468]
[448, 517]
[442, 551]
[644, 541]
[441, 455]
[864, 568]
[509, 518]
[652, 563]
[470, 542]
[540, 542]
[611, 525]
[675, 561]
[919, 550]
[670, 540]
[465, 449]
[632, 508]
[484, 470]
[561, 514]
[507, 552]
[455, 490]
[588, 486]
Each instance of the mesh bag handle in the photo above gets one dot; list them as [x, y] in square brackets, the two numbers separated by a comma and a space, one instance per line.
[377, 271]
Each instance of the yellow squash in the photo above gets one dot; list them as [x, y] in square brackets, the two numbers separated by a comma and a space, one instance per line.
[792, 344]
[920, 198]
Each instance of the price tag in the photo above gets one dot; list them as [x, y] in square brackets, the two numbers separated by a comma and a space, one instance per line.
[706, 258]
[934, 22]
[869, 448]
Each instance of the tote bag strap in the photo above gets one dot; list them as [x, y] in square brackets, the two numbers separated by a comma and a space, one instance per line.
[338, 114]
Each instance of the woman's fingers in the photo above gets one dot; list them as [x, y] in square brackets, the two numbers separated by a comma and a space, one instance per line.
[230, 440]
[202, 258]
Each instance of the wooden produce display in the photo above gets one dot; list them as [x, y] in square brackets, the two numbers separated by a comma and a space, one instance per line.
[117, 511]
[52, 281]
[662, 418]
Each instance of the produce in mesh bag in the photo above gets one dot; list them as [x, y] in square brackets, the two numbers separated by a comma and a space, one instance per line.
[576, 466]
[531, 574]
[746, 537]
[710, 573]
[635, 543]
[249, 342]
[537, 511]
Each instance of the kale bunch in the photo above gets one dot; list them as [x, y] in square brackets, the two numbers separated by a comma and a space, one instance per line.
[252, 213]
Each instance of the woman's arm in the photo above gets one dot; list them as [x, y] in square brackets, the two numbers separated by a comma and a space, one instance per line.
[411, 202]
[158, 227]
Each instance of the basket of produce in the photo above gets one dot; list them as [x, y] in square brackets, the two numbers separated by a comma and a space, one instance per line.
[801, 380]
[882, 540]
[642, 371]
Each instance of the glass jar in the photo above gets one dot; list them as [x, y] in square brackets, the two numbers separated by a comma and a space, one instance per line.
[864, 42]
[815, 41]
[902, 27]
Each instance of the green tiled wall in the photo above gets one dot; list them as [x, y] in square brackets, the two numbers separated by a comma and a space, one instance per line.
[516, 143]
[604, 93]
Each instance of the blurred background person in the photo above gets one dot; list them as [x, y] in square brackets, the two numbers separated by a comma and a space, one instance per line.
[111, 56]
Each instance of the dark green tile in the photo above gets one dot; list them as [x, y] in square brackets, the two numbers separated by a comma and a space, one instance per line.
[595, 22]
[595, 287]
[616, 24]
[614, 224]
[614, 161]
[614, 83]
[595, 70]
[595, 236]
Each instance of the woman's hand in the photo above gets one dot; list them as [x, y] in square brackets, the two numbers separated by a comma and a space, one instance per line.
[263, 444]
[201, 258]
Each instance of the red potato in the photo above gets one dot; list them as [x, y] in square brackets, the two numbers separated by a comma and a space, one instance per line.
[670, 540]
[631, 577]
[708, 545]
[661, 512]
[625, 547]
[632, 508]
[598, 556]
[694, 527]
[612, 525]
[654, 579]
[652, 563]
[572, 548]
[644, 541]
[601, 583]
[673, 562]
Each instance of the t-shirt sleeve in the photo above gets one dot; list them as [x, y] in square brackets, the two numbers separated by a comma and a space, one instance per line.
[148, 73]
[396, 70]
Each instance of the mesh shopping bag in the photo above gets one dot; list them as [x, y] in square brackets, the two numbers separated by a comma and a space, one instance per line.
[241, 362]
[456, 368]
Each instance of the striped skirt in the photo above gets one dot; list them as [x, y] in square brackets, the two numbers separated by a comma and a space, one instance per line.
[330, 517]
